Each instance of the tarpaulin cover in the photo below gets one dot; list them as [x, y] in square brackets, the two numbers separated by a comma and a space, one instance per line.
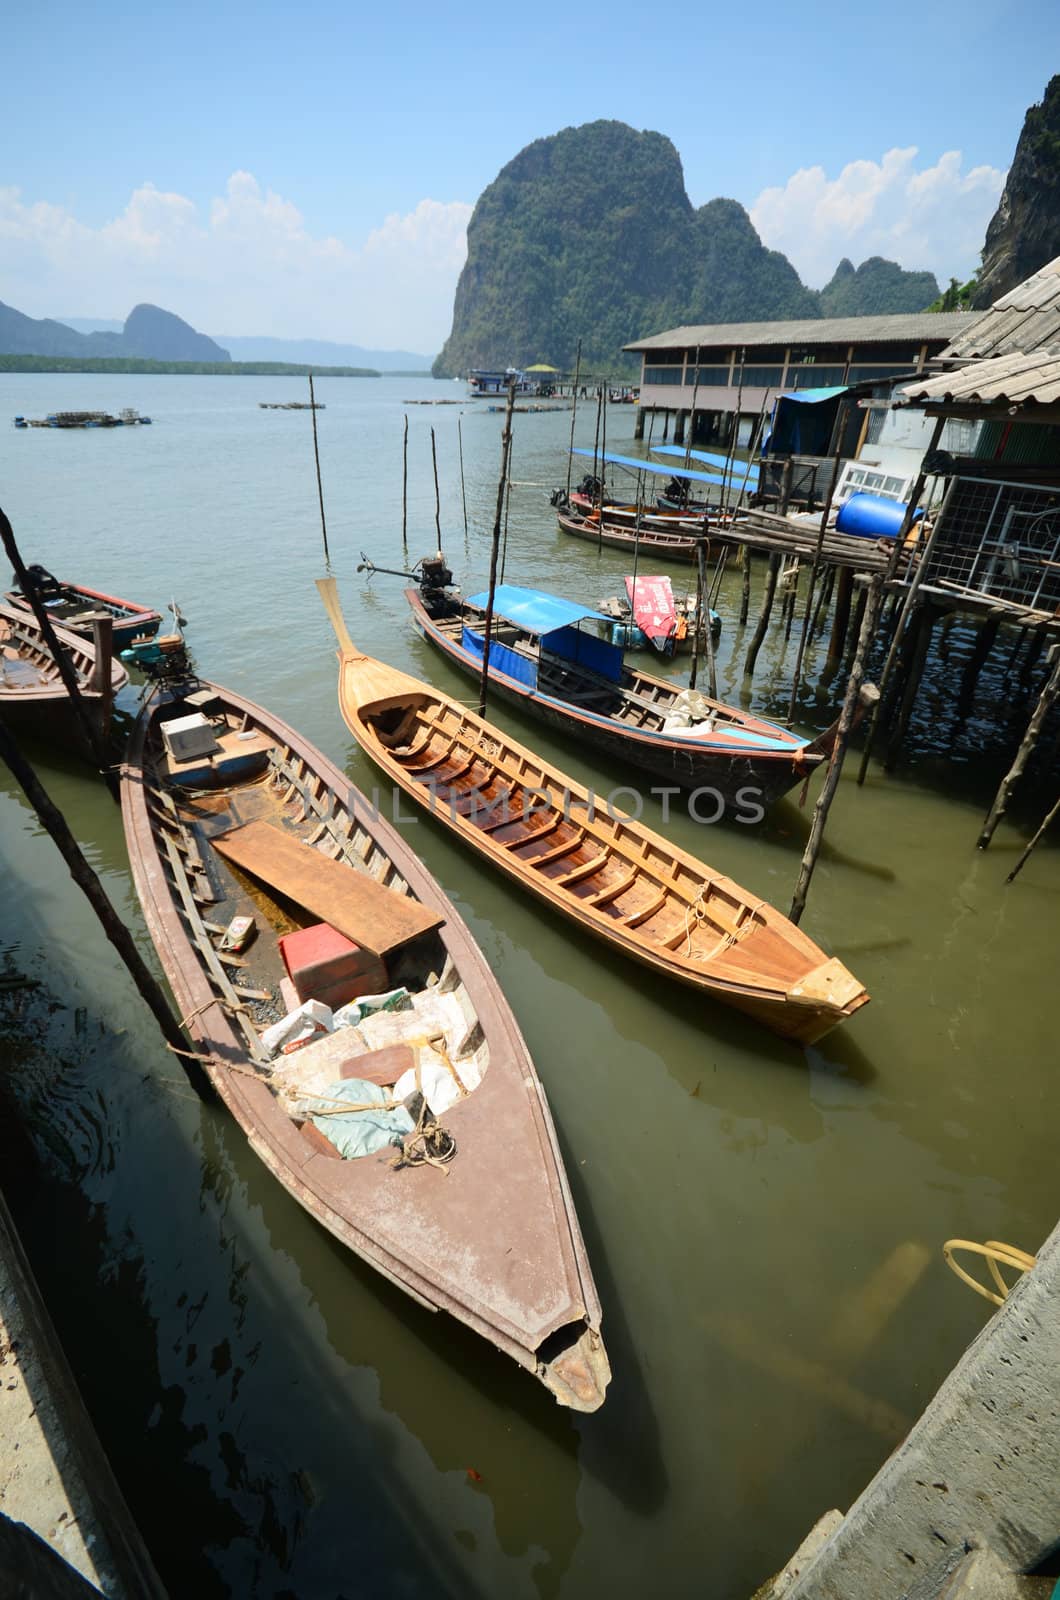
[599, 655]
[736, 470]
[652, 602]
[502, 658]
[647, 466]
[361, 1133]
[532, 609]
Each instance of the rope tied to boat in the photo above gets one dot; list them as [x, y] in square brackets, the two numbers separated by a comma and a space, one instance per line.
[428, 1145]
[697, 912]
[995, 1251]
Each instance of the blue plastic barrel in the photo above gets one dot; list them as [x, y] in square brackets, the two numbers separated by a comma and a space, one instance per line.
[870, 516]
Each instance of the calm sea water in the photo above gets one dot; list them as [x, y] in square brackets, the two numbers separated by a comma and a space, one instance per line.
[765, 1224]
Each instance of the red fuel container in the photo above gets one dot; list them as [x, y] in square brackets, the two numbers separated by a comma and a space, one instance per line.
[324, 965]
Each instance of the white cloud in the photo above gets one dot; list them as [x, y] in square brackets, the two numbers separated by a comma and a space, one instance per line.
[249, 266]
[931, 218]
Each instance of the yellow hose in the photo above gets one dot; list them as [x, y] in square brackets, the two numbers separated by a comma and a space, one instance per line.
[994, 1251]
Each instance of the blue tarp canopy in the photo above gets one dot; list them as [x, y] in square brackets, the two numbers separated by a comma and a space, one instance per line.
[737, 468]
[534, 610]
[812, 397]
[636, 465]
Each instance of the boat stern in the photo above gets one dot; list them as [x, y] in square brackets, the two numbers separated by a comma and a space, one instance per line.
[579, 1375]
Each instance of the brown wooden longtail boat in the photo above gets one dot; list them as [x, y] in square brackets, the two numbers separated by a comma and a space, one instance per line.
[660, 546]
[265, 827]
[611, 874]
[74, 604]
[32, 691]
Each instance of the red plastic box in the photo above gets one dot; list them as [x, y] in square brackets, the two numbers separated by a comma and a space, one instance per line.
[324, 965]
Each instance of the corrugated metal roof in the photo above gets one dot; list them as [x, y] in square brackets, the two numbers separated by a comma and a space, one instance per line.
[919, 326]
[1011, 379]
[1025, 319]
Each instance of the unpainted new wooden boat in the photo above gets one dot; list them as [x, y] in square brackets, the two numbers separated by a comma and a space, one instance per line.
[31, 686]
[542, 660]
[266, 827]
[608, 872]
[72, 603]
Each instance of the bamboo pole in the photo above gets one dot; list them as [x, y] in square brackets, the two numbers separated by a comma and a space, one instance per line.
[320, 485]
[437, 496]
[916, 581]
[91, 732]
[692, 418]
[574, 414]
[1023, 754]
[507, 508]
[460, 447]
[922, 629]
[405, 491]
[730, 459]
[854, 693]
[597, 475]
[506, 438]
[1049, 820]
[54, 823]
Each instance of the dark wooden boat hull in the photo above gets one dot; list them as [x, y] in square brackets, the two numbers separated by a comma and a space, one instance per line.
[32, 693]
[658, 546]
[748, 784]
[131, 621]
[496, 1242]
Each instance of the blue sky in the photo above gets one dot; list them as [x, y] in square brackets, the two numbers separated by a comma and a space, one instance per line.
[362, 138]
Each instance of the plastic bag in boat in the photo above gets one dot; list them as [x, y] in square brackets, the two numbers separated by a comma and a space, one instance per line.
[440, 1082]
[368, 1005]
[361, 1133]
[307, 1021]
[690, 711]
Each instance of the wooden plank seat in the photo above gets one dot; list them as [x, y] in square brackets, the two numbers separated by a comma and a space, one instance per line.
[366, 911]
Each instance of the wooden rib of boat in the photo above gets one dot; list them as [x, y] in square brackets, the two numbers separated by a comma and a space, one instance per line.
[73, 604]
[31, 687]
[653, 544]
[582, 687]
[612, 875]
[494, 1240]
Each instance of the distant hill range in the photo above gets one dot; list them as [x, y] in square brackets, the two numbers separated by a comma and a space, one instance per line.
[1024, 232]
[322, 353]
[590, 234]
[148, 334]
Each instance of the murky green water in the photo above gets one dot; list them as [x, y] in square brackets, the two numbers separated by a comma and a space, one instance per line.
[765, 1224]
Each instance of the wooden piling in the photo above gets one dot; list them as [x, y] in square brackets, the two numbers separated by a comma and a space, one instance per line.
[1026, 749]
[921, 629]
[320, 484]
[840, 429]
[506, 439]
[763, 617]
[463, 491]
[916, 581]
[1050, 818]
[437, 496]
[984, 643]
[840, 621]
[405, 491]
[745, 586]
[574, 413]
[824, 600]
[854, 692]
[53, 821]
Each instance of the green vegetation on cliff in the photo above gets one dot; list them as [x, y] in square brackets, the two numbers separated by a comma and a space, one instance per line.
[1024, 232]
[876, 288]
[590, 234]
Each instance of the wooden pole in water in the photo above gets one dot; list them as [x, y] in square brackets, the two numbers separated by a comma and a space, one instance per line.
[92, 733]
[574, 414]
[917, 580]
[763, 617]
[835, 764]
[841, 424]
[1023, 754]
[703, 619]
[598, 477]
[404, 490]
[507, 507]
[840, 621]
[316, 457]
[53, 821]
[730, 457]
[437, 496]
[1049, 820]
[460, 447]
[506, 438]
[922, 627]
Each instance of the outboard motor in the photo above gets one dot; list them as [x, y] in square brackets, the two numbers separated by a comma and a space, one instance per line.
[47, 587]
[434, 574]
